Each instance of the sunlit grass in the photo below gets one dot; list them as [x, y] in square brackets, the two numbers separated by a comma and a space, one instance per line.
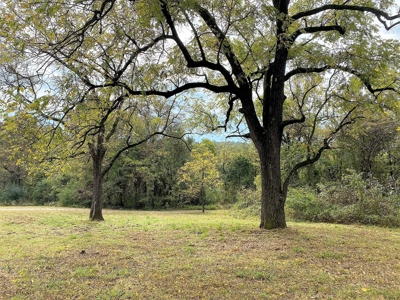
[60, 254]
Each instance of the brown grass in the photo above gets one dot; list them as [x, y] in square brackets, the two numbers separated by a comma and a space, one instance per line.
[59, 254]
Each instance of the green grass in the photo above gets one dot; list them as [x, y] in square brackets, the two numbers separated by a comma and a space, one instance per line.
[59, 254]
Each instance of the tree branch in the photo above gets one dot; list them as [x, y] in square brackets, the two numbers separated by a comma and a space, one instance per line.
[78, 36]
[185, 52]
[245, 136]
[293, 121]
[177, 90]
[356, 73]
[225, 47]
[306, 70]
[317, 156]
[382, 16]
[301, 31]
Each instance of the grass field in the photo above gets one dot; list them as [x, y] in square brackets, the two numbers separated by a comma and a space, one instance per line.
[50, 253]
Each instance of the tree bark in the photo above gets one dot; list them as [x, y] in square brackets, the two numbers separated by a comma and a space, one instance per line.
[272, 195]
[96, 208]
[97, 152]
[267, 141]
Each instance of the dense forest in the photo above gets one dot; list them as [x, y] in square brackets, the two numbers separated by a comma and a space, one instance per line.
[102, 102]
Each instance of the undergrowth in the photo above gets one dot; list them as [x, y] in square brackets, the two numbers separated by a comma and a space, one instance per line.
[350, 202]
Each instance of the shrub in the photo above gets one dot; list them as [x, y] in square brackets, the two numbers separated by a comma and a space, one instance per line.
[248, 203]
[302, 204]
[69, 196]
[43, 192]
[12, 193]
[341, 204]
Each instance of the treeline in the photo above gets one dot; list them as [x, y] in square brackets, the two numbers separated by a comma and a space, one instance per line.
[161, 173]
[357, 180]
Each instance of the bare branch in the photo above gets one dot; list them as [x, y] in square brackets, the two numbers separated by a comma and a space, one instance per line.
[177, 90]
[185, 52]
[293, 121]
[225, 47]
[245, 136]
[228, 113]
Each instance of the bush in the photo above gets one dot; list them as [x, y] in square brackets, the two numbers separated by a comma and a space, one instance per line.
[341, 204]
[248, 203]
[43, 192]
[69, 196]
[12, 193]
[303, 205]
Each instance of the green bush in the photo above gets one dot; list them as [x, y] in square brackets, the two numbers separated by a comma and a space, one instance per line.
[248, 203]
[340, 204]
[12, 193]
[43, 192]
[302, 204]
[69, 196]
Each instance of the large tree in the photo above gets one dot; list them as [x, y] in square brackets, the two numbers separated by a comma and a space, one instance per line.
[48, 99]
[242, 54]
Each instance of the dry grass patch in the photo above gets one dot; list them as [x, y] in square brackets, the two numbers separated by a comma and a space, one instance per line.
[58, 254]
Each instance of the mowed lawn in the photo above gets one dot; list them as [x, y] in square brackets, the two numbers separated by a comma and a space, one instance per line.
[56, 253]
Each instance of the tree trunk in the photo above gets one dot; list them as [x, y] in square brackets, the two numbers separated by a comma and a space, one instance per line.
[202, 190]
[97, 152]
[203, 198]
[310, 170]
[268, 141]
[272, 196]
[96, 213]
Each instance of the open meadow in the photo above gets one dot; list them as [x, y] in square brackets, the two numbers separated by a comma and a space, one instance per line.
[57, 253]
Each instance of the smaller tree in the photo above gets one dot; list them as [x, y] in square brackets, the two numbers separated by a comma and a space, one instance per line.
[239, 174]
[199, 174]
[371, 139]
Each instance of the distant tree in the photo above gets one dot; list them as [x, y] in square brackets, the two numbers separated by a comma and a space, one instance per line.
[146, 176]
[12, 154]
[237, 174]
[368, 141]
[200, 173]
[241, 173]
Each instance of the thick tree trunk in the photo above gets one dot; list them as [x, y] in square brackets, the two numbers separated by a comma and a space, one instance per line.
[272, 196]
[97, 152]
[96, 208]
